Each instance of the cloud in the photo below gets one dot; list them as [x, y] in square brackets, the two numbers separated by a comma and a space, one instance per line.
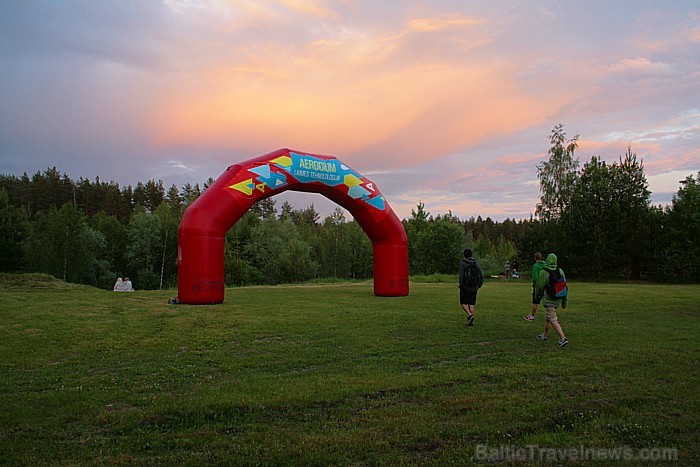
[694, 35]
[449, 103]
[520, 159]
[440, 23]
[405, 101]
[639, 67]
[311, 8]
[669, 182]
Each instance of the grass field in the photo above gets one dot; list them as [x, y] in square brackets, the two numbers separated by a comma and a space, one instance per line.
[332, 375]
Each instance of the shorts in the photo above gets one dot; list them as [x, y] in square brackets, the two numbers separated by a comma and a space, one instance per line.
[551, 315]
[534, 298]
[467, 297]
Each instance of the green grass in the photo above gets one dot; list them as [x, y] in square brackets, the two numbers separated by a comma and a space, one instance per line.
[331, 374]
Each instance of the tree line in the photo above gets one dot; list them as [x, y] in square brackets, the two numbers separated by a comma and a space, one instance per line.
[91, 232]
[599, 220]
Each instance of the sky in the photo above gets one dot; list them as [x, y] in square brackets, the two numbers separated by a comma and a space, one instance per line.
[448, 103]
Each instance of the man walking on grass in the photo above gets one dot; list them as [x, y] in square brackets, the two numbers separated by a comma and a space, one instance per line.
[470, 281]
[536, 268]
[549, 281]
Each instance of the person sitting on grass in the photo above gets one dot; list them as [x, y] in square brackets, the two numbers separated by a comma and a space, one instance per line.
[123, 285]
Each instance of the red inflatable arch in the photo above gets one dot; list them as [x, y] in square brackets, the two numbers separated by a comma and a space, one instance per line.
[206, 221]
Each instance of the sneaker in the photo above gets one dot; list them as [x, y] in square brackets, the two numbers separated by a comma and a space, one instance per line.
[529, 318]
[470, 320]
[541, 337]
[563, 342]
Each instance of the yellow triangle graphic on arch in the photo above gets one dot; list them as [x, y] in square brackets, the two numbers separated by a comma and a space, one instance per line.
[351, 180]
[284, 161]
[244, 186]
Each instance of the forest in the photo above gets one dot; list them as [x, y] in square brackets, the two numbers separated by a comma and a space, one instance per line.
[598, 218]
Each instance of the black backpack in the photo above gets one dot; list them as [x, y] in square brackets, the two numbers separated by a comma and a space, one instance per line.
[471, 274]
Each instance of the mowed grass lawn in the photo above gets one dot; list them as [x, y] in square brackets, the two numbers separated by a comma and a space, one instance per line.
[331, 374]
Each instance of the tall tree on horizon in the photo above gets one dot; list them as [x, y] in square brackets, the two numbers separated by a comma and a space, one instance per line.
[683, 225]
[557, 175]
[631, 190]
[603, 223]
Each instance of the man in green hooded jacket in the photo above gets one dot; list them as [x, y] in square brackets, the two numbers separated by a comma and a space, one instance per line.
[550, 303]
[536, 268]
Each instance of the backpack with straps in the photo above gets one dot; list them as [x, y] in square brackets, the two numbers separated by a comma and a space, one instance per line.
[471, 274]
[556, 286]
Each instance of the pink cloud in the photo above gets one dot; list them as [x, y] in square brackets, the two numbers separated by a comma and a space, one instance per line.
[312, 8]
[638, 66]
[440, 23]
[694, 35]
[521, 158]
[321, 96]
[461, 95]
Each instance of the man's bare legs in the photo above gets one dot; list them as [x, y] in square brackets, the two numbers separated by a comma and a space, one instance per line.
[556, 326]
[469, 310]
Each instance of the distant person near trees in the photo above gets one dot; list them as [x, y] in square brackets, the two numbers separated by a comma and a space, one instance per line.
[506, 270]
[552, 290]
[536, 268]
[470, 281]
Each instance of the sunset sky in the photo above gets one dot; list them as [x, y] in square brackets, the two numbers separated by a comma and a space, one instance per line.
[445, 102]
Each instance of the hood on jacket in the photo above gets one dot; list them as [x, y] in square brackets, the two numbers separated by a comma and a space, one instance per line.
[551, 262]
